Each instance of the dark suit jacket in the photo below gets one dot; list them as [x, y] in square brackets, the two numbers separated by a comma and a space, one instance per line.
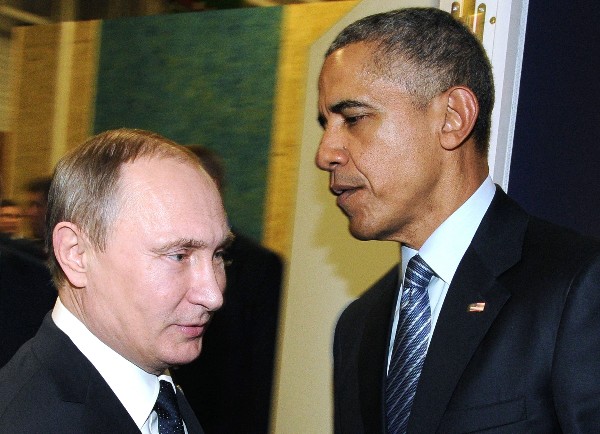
[527, 364]
[26, 296]
[50, 387]
[229, 385]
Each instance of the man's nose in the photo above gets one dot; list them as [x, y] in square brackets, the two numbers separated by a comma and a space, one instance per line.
[208, 284]
[331, 151]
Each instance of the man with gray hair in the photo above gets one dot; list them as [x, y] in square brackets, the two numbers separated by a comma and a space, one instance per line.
[490, 321]
[136, 234]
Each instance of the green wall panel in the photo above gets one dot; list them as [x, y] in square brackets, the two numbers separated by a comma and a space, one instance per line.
[204, 78]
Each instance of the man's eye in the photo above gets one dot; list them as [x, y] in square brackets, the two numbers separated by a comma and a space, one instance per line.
[178, 257]
[353, 120]
[223, 256]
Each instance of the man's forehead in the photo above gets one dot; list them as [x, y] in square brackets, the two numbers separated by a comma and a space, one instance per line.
[152, 167]
[163, 181]
[171, 204]
[156, 160]
[359, 53]
[351, 62]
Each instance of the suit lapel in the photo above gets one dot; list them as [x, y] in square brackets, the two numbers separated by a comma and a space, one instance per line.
[373, 354]
[191, 421]
[103, 412]
[79, 383]
[496, 247]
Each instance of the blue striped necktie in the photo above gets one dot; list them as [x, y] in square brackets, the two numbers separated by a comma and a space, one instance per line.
[410, 345]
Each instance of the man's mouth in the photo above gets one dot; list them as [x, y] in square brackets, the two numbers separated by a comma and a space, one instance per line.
[339, 188]
[193, 330]
[344, 187]
[343, 193]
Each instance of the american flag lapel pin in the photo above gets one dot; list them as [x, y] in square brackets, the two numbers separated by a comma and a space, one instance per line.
[476, 307]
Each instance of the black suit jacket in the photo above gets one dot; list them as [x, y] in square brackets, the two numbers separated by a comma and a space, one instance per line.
[26, 296]
[527, 364]
[50, 387]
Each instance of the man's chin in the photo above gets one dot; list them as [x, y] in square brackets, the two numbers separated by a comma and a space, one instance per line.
[364, 232]
[359, 232]
[186, 356]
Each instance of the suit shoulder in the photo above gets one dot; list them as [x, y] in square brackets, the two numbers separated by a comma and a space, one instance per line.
[545, 231]
[551, 260]
[565, 246]
[23, 387]
[49, 386]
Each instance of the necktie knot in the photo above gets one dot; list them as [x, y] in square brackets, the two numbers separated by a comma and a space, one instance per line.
[167, 409]
[417, 275]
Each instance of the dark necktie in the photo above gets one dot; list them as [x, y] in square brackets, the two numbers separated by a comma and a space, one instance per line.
[410, 345]
[169, 418]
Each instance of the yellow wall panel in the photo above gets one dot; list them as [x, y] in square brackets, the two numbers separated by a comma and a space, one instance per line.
[83, 82]
[302, 25]
[53, 97]
[34, 75]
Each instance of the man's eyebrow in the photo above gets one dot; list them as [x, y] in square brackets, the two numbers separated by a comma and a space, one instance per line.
[339, 107]
[180, 243]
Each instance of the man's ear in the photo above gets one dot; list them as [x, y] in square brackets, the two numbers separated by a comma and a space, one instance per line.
[462, 110]
[70, 251]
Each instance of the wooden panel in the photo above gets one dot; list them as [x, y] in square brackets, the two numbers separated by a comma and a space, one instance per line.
[54, 70]
[3, 140]
[83, 82]
[4, 81]
[34, 66]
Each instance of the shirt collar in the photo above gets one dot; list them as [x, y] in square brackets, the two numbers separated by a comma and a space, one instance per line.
[135, 388]
[446, 246]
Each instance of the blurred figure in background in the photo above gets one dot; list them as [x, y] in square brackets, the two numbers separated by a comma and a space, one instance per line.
[37, 203]
[11, 217]
[26, 290]
[34, 214]
[229, 386]
[26, 296]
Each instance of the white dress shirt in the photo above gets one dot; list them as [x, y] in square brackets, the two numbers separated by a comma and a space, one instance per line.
[136, 389]
[444, 249]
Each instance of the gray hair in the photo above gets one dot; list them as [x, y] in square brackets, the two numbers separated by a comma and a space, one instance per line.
[426, 51]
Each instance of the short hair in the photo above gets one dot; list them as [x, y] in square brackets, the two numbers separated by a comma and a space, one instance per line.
[427, 52]
[85, 185]
[212, 163]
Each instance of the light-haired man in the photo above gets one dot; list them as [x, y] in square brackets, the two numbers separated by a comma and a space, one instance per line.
[136, 231]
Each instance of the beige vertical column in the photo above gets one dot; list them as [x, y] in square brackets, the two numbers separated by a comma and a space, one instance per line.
[301, 25]
[53, 90]
[83, 75]
[63, 91]
[34, 65]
